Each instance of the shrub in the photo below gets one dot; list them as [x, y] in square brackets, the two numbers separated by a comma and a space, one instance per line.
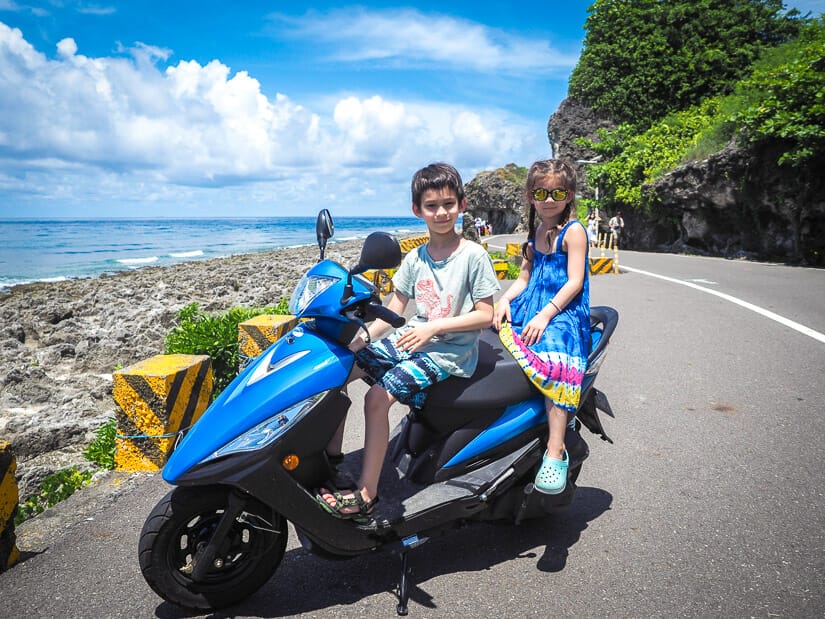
[55, 488]
[214, 334]
[101, 451]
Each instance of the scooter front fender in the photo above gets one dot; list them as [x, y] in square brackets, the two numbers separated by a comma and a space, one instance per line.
[299, 365]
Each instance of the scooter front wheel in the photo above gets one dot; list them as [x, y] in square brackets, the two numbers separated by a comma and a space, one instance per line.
[182, 525]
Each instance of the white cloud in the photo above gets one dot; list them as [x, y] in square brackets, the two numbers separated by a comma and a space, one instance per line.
[124, 127]
[410, 37]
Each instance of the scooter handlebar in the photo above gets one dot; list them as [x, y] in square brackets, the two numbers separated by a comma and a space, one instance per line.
[387, 315]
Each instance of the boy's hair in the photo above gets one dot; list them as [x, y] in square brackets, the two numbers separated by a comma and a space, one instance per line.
[436, 176]
[567, 176]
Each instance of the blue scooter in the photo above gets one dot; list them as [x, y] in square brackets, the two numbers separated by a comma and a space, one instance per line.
[252, 461]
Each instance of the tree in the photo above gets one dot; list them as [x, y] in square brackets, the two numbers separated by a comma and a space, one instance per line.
[643, 59]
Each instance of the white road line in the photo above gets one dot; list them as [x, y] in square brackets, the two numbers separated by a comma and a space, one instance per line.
[754, 308]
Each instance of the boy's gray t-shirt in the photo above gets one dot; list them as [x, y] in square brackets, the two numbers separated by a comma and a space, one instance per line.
[449, 287]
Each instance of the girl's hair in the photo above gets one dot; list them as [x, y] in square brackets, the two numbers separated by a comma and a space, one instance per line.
[566, 174]
[436, 176]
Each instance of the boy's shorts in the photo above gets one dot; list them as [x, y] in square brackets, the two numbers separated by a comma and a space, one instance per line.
[404, 375]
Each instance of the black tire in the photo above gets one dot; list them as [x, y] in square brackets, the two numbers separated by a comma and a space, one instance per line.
[183, 521]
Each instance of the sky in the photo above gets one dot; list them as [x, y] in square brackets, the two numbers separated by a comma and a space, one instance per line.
[248, 109]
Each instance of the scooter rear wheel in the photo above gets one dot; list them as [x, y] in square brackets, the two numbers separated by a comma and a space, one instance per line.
[183, 522]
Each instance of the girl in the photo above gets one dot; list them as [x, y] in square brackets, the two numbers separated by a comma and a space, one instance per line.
[548, 307]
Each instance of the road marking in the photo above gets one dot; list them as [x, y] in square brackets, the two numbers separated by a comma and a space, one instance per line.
[754, 308]
[703, 281]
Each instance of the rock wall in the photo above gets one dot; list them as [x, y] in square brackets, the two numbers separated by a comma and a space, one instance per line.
[735, 203]
[496, 196]
[739, 203]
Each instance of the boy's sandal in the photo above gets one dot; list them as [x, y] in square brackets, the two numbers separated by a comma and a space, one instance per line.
[552, 476]
[362, 516]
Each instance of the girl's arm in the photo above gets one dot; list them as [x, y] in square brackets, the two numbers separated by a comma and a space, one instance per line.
[575, 244]
[478, 318]
[502, 309]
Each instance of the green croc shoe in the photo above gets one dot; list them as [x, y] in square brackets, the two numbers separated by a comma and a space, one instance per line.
[552, 476]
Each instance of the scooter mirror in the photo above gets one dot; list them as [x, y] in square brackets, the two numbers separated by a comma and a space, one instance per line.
[380, 251]
[324, 229]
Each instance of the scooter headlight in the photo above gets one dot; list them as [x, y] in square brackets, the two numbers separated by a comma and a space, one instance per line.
[307, 289]
[265, 433]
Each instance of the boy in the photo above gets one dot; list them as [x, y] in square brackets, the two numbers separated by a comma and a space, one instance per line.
[452, 281]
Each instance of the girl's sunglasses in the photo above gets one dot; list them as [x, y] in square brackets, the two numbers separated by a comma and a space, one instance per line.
[541, 194]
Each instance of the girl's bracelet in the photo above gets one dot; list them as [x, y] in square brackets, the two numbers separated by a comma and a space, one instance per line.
[558, 311]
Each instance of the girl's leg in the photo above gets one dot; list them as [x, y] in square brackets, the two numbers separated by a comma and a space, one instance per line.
[557, 420]
[552, 474]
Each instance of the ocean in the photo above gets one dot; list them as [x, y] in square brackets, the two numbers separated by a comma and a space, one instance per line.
[58, 249]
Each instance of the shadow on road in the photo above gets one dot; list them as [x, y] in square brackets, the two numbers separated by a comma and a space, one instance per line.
[305, 583]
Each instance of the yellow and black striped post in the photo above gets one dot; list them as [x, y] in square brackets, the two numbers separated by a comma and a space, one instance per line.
[9, 497]
[258, 333]
[601, 265]
[156, 399]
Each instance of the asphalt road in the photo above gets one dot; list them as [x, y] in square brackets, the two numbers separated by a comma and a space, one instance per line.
[710, 502]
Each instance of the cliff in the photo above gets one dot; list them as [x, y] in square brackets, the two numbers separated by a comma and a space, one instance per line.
[736, 203]
[496, 196]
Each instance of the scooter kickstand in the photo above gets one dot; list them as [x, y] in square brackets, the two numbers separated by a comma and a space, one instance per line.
[403, 587]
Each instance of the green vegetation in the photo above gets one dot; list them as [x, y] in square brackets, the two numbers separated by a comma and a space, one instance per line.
[513, 174]
[779, 100]
[54, 488]
[633, 159]
[214, 334]
[642, 58]
[101, 451]
[512, 268]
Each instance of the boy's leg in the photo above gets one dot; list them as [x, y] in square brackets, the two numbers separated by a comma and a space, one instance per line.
[402, 382]
[376, 439]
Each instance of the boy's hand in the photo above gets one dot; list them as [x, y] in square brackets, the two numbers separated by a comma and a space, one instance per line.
[502, 313]
[417, 336]
[532, 330]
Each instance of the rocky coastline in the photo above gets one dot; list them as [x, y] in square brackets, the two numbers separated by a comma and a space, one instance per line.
[61, 341]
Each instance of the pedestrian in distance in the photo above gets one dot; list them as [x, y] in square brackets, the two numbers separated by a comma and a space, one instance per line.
[616, 225]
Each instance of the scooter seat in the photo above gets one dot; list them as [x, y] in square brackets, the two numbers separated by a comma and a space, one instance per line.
[484, 389]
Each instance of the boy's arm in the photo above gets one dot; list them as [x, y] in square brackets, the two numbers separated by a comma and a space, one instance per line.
[398, 303]
[479, 317]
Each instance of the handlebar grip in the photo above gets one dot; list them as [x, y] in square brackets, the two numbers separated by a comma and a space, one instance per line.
[387, 315]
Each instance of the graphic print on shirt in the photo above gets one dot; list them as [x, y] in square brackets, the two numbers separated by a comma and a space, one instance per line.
[427, 294]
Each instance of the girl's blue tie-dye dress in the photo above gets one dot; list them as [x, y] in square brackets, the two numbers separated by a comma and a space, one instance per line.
[557, 362]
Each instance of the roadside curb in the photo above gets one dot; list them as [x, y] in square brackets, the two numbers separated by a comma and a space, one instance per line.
[37, 534]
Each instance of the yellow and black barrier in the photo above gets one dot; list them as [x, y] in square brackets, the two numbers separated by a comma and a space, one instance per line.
[601, 265]
[413, 242]
[157, 398]
[9, 498]
[606, 264]
[258, 333]
[513, 250]
[501, 268]
[381, 279]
